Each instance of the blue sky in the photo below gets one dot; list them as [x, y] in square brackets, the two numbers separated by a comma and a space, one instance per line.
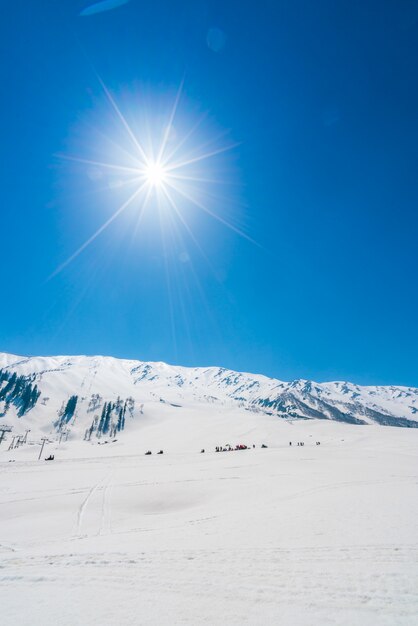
[321, 98]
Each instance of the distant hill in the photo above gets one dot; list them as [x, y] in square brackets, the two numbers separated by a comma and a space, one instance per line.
[102, 396]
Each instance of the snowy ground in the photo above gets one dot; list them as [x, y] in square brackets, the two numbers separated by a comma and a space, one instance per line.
[313, 535]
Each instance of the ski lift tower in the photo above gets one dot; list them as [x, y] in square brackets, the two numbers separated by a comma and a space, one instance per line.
[3, 431]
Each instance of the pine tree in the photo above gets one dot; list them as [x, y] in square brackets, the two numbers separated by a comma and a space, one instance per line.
[69, 410]
[107, 418]
[95, 402]
[34, 396]
[130, 404]
[121, 419]
[25, 400]
[102, 419]
[8, 388]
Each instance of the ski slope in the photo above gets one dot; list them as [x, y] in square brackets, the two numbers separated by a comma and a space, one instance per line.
[317, 535]
[147, 391]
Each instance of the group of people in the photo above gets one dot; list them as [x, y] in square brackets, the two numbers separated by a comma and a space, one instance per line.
[226, 448]
[229, 448]
[240, 446]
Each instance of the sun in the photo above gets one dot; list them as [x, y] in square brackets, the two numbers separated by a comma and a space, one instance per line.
[155, 174]
[161, 167]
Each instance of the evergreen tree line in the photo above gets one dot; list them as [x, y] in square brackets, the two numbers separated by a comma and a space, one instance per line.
[112, 419]
[19, 391]
[67, 411]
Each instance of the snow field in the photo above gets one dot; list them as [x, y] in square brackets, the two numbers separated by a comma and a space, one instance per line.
[313, 535]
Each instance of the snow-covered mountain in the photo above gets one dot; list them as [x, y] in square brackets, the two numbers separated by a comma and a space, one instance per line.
[101, 396]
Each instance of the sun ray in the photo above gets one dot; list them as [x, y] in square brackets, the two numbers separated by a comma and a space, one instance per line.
[201, 157]
[168, 284]
[185, 138]
[196, 179]
[199, 147]
[185, 224]
[170, 123]
[142, 211]
[97, 232]
[113, 166]
[123, 120]
[206, 209]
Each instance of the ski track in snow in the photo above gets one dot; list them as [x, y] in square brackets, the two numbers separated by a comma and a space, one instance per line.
[296, 536]
[101, 487]
[105, 525]
[83, 506]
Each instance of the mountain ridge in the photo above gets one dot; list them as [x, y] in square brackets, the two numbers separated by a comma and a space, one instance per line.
[92, 395]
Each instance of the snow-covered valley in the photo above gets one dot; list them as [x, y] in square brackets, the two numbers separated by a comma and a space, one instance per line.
[299, 535]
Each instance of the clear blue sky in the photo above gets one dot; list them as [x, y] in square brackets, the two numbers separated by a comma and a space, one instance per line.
[322, 98]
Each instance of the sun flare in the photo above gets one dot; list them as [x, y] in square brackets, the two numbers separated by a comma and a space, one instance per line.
[155, 164]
